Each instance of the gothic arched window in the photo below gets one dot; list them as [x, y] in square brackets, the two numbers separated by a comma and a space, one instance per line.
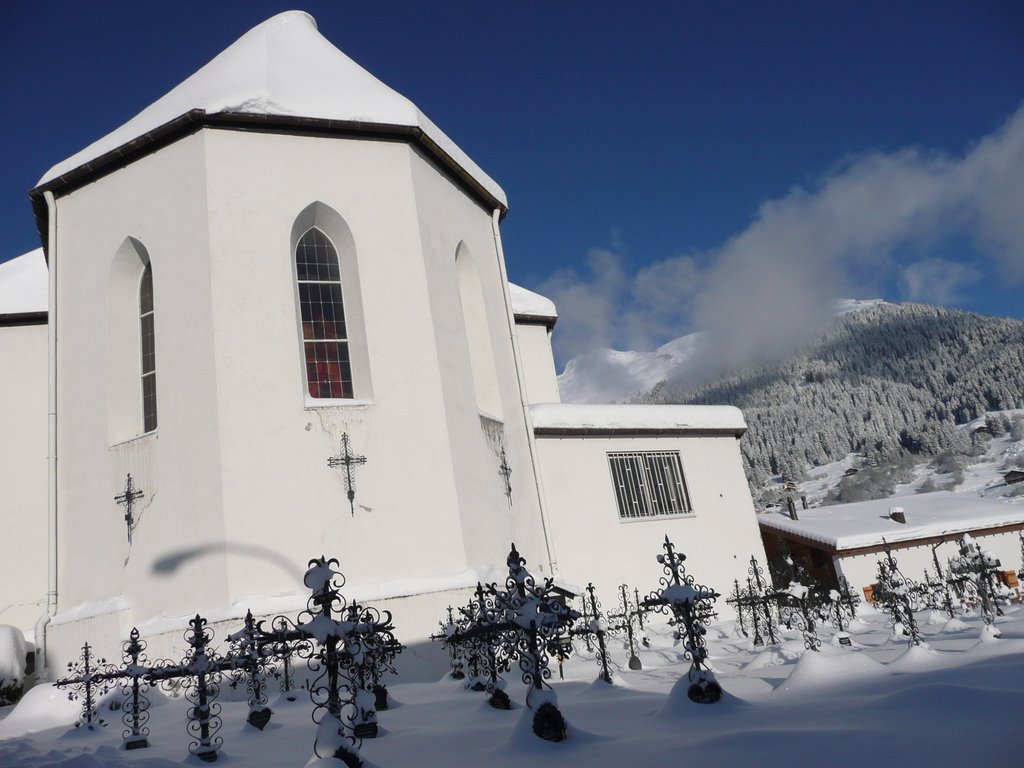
[324, 335]
[148, 350]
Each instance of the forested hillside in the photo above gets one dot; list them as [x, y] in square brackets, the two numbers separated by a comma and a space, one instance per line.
[887, 381]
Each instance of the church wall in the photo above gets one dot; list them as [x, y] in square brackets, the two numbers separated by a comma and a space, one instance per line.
[450, 220]
[23, 471]
[282, 503]
[594, 545]
[538, 363]
[175, 563]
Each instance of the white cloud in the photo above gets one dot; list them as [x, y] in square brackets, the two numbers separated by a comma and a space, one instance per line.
[937, 281]
[771, 285]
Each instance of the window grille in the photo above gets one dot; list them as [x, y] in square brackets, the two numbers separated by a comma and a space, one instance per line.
[648, 484]
[148, 350]
[324, 335]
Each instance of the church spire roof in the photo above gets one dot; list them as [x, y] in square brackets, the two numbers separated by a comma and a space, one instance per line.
[285, 68]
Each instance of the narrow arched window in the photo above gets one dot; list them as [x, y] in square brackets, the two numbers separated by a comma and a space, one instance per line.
[148, 350]
[324, 335]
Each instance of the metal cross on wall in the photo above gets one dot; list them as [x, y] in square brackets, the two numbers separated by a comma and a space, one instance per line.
[506, 475]
[127, 499]
[349, 461]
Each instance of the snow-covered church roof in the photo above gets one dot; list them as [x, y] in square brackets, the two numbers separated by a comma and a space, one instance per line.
[24, 285]
[555, 419]
[530, 307]
[284, 67]
[866, 523]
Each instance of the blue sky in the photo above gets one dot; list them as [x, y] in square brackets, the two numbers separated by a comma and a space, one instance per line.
[665, 162]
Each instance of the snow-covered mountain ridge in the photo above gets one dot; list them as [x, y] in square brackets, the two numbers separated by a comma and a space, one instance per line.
[611, 376]
[615, 376]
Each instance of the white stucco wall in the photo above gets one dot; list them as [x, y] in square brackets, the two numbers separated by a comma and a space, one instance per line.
[429, 499]
[862, 570]
[593, 544]
[538, 363]
[238, 492]
[176, 563]
[23, 450]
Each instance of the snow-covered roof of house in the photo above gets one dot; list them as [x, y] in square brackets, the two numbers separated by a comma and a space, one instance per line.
[528, 306]
[867, 523]
[24, 285]
[283, 67]
[579, 418]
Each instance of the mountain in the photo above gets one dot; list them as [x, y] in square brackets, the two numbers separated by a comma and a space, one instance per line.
[611, 376]
[614, 376]
[888, 383]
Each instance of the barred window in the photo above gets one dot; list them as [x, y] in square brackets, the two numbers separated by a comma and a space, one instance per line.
[147, 337]
[324, 335]
[649, 483]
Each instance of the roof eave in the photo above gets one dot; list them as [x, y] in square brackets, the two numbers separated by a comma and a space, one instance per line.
[23, 318]
[195, 119]
[599, 431]
[527, 319]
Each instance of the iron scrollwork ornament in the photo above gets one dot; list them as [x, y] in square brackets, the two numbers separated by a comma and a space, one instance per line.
[534, 621]
[899, 597]
[688, 602]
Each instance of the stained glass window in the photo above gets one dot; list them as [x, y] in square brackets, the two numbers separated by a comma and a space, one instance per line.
[324, 335]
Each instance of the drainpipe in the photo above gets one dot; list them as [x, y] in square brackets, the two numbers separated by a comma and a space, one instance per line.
[42, 657]
[530, 437]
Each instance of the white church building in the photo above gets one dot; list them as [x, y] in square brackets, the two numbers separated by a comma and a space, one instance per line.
[277, 299]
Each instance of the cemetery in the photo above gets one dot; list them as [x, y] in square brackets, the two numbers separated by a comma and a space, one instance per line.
[550, 666]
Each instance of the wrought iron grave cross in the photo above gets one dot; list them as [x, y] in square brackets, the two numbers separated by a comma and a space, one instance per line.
[127, 499]
[349, 460]
[506, 475]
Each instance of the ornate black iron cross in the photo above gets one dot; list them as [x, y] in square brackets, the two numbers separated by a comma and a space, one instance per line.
[506, 475]
[127, 499]
[349, 460]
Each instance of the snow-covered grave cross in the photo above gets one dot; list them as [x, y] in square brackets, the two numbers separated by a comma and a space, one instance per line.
[349, 646]
[533, 621]
[593, 624]
[899, 596]
[628, 614]
[756, 604]
[688, 603]
[979, 570]
[95, 677]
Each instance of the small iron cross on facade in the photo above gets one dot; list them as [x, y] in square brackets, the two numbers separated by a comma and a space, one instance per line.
[349, 461]
[127, 499]
[506, 475]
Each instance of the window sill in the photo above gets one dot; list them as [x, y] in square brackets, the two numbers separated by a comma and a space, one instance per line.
[136, 438]
[658, 518]
[312, 403]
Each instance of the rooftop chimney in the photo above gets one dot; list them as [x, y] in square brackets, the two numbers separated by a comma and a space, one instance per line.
[896, 513]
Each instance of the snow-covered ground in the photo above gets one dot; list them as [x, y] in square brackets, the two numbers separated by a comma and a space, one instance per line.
[958, 701]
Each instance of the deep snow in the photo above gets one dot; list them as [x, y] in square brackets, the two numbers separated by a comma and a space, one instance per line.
[959, 701]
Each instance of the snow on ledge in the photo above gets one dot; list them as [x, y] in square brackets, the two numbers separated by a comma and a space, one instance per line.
[866, 523]
[284, 67]
[24, 284]
[527, 304]
[580, 417]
